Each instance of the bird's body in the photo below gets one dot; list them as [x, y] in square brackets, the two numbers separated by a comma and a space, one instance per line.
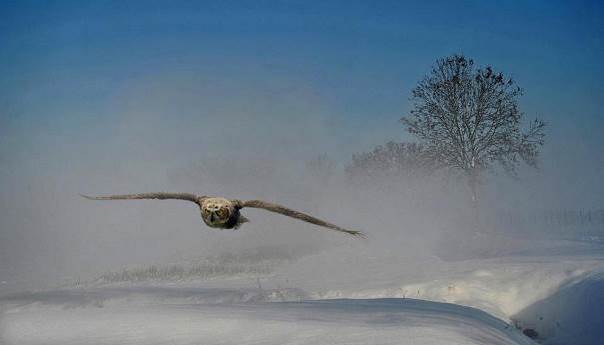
[222, 213]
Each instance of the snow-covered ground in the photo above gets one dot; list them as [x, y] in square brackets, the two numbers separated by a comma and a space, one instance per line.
[347, 295]
[393, 321]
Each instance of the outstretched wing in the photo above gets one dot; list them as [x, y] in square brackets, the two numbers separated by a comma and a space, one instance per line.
[159, 196]
[298, 215]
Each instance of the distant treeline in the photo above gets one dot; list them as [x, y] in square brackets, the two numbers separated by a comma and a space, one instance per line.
[392, 159]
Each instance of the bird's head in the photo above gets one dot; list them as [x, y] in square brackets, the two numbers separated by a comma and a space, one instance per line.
[218, 212]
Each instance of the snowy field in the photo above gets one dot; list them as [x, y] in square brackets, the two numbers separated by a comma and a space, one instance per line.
[340, 296]
[378, 321]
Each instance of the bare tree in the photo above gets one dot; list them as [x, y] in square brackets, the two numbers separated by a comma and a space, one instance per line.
[468, 119]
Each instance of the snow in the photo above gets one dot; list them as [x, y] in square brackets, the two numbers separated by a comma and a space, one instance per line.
[347, 295]
[390, 321]
[501, 286]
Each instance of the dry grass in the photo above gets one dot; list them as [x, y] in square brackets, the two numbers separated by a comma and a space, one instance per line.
[256, 262]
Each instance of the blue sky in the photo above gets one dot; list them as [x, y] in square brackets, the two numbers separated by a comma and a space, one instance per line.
[91, 83]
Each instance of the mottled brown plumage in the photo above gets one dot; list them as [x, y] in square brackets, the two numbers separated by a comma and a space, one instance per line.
[224, 213]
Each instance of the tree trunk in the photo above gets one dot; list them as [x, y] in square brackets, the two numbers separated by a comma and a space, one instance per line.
[473, 190]
[473, 184]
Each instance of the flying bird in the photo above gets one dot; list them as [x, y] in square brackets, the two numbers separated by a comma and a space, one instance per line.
[225, 213]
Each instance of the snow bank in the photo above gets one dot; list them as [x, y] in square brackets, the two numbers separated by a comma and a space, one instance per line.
[391, 321]
[476, 301]
[500, 286]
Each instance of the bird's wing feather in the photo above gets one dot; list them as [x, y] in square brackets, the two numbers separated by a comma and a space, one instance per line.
[159, 196]
[298, 215]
